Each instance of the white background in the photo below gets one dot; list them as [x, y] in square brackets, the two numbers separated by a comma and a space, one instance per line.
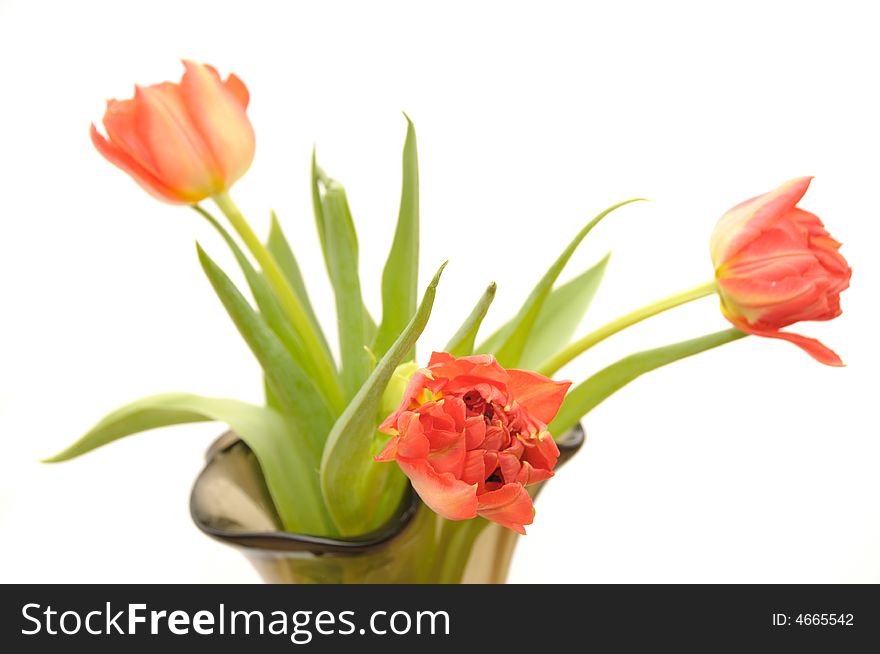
[749, 463]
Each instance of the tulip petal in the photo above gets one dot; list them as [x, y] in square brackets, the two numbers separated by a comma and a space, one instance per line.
[811, 346]
[237, 88]
[459, 370]
[531, 475]
[389, 452]
[124, 161]
[413, 442]
[509, 506]
[474, 432]
[496, 438]
[758, 291]
[747, 221]
[509, 466]
[121, 124]
[474, 471]
[413, 389]
[179, 154]
[540, 395]
[447, 496]
[763, 303]
[542, 453]
[220, 117]
[447, 452]
[822, 245]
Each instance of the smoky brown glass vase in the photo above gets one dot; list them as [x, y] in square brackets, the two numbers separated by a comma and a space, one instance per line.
[230, 503]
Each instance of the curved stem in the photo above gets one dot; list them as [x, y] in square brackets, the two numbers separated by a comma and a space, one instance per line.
[287, 298]
[571, 351]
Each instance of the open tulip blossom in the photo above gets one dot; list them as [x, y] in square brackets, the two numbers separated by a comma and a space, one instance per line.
[182, 142]
[471, 436]
[776, 265]
[477, 429]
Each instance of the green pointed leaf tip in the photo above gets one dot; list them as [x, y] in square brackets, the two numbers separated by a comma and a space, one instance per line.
[513, 339]
[292, 483]
[462, 343]
[400, 275]
[347, 454]
[317, 206]
[586, 396]
[342, 252]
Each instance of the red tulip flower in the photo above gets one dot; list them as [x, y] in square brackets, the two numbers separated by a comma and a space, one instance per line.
[471, 436]
[776, 265]
[181, 142]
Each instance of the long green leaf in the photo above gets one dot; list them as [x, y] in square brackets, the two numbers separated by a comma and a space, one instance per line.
[271, 311]
[290, 386]
[265, 299]
[292, 482]
[462, 343]
[318, 205]
[516, 334]
[347, 453]
[319, 178]
[342, 252]
[279, 247]
[586, 396]
[268, 305]
[561, 314]
[400, 277]
[494, 340]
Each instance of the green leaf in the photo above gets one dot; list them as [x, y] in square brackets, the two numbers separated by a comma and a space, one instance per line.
[265, 298]
[318, 205]
[515, 335]
[369, 327]
[292, 483]
[462, 344]
[493, 342]
[586, 396]
[318, 178]
[401, 274]
[271, 311]
[291, 387]
[346, 460]
[279, 247]
[268, 305]
[342, 262]
[560, 315]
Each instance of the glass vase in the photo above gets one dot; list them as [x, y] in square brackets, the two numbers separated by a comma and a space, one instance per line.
[230, 503]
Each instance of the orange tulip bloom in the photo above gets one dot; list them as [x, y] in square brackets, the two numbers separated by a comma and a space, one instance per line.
[471, 436]
[181, 142]
[775, 265]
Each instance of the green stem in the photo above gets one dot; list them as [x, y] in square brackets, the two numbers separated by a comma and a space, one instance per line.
[571, 351]
[328, 379]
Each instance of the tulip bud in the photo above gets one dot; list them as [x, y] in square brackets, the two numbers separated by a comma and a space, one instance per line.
[393, 394]
[181, 142]
[775, 265]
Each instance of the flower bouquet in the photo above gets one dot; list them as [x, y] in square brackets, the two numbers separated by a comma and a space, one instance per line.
[378, 465]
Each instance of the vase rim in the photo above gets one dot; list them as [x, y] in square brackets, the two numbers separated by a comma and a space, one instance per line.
[283, 541]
